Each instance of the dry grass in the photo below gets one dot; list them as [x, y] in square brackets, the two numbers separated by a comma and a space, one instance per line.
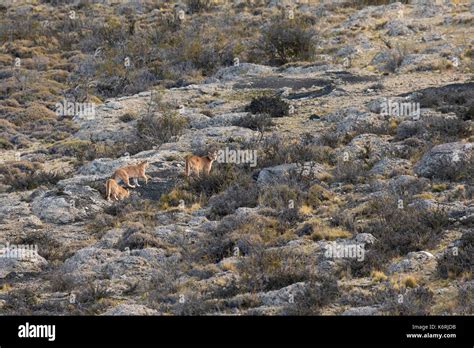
[378, 276]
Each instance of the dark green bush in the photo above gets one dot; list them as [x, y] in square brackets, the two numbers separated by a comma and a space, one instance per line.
[156, 130]
[33, 180]
[198, 6]
[219, 179]
[318, 292]
[259, 122]
[284, 41]
[416, 301]
[266, 270]
[273, 106]
[236, 196]
[454, 263]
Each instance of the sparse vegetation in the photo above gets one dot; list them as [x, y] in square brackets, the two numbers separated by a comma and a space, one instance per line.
[458, 260]
[156, 130]
[406, 229]
[29, 180]
[259, 122]
[286, 40]
[417, 301]
[273, 106]
[267, 270]
[299, 86]
[318, 292]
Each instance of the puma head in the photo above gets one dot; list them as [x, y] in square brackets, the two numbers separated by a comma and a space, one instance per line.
[212, 155]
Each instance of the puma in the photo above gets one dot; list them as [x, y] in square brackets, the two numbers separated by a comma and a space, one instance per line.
[132, 172]
[114, 190]
[197, 164]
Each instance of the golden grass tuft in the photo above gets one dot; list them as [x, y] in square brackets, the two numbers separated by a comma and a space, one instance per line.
[330, 233]
[378, 276]
[406, 281]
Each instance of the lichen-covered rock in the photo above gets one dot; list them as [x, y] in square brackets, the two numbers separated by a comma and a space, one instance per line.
[282, 172]
[200, 121]
[396, 27]
[72, 203]
[368, 15]
[422, 62]
[447, 160]
[130, 309]
[283, 296]
[364, 122]
[366, 310]
[242, 69]
[405, 184]
[88, 263]
[26, 262]
[390, 167]
[365, 146]
[413, 262]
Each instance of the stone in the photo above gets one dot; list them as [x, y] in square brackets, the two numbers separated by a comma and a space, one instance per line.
[19, 265]
[365, 310]
[282, 172]
[390, 167]
[447, 159]
[126, 309]
[414, 262]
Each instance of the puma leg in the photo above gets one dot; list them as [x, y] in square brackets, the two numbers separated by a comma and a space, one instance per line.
[127, 182]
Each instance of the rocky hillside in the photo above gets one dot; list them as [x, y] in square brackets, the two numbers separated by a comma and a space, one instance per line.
[356, 195]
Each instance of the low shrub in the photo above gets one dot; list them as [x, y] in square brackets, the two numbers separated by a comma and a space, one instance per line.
[417, 301]
[284, 41]
[280, 196]
[275, 150]
[407, 229]
[318, 292]
[30, 181]
[236, 196]
[156, 130]
[128, 117]
[163, 283]
[274, 106]
[174, 197]
[48, 247]
[21, 302]
[136, 236]
[353, 172]
[465, 298]
[458, 261]
[259, 122]
[266, 270]
[219, 179]
[398, 232]
[198, 6]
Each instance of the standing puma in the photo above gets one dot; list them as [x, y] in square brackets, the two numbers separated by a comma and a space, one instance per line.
[198, 164]
[132, 172]
[115, 190]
